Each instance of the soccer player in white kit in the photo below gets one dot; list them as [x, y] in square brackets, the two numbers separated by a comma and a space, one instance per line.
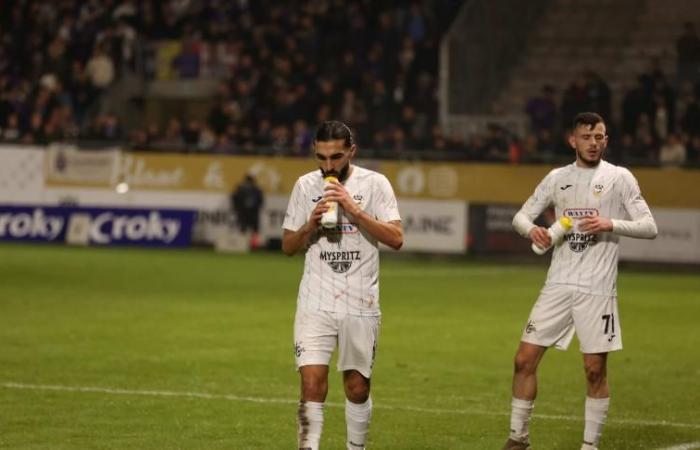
[338, 301]
[604, 202]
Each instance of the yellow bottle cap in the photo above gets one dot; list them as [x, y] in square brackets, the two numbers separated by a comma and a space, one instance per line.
[566, 222]
[331, 178]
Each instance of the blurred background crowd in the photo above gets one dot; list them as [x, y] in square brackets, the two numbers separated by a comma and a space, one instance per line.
[279, 68]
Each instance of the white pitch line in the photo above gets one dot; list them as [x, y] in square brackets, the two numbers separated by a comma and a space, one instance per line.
[686, 446]
[446, 272]
[285, 401]
[101, 390]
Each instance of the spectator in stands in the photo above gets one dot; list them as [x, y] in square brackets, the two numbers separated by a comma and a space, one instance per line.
[124, 38]
[653, 75]
[664, 93]
[627, 150]
[399, 143]
[172, 138]
[437, 139]
[11, 131]
[266, 54]
[542, 110]
[83, 94]
[35, 134]
[413, 130]
[661, 119]
[637, 101]
[100, 68]
[530, 149]
[599, 96]
[575, 99]
[207, 139]
[672, 153]
[548, 145]
[644, 127]
[647, 148]
[693, 151]
[153, 133]
[187, 61]
[223, 145]
[497, 146]
[191, 133]
[691, 117]
[303, 138]
[688, 51]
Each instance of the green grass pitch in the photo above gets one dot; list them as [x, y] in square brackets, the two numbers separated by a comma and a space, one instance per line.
[154, 349]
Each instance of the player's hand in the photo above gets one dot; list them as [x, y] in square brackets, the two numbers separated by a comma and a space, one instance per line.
[335, 192]
[540, 237]
[315, 216]
[595, 225]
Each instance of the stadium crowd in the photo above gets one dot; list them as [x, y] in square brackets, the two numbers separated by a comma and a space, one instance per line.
[660, 123]
[285, 66]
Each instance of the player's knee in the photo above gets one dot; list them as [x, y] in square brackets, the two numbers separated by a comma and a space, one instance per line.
[357, 394]
[524, 364]
[314, 389]
[357, 390]
[595, 374]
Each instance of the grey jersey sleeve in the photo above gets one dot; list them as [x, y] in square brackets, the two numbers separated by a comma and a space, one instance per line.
[541, 199]
[641, 224]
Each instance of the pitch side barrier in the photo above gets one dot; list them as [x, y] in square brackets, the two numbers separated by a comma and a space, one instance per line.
[97, 226]
[446, 207]
[67, 167]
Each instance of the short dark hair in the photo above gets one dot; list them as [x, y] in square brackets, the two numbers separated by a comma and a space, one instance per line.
[590, 119]
[333, 130]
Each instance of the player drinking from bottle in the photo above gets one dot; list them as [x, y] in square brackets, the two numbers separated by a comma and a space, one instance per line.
[338, 301]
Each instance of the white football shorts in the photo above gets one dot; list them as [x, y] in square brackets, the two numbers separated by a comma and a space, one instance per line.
[317, 333]
[561, 310]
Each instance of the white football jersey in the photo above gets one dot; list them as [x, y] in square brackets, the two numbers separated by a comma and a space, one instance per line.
[341, 269]
[589, 261]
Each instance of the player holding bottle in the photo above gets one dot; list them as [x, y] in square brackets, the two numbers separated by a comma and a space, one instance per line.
[604, 202]
[338, 301]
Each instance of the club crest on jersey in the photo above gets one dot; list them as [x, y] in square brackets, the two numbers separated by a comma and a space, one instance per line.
[358, 200]
[340, 261]
[598, 189]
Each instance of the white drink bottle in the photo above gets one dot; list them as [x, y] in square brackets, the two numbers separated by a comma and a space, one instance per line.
[556, 232]
[329, 219]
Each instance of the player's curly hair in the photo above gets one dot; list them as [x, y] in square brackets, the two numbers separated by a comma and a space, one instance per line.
[333, 130]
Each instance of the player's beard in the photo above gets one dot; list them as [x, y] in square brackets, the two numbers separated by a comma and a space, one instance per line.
[341, 176]
[586, 160]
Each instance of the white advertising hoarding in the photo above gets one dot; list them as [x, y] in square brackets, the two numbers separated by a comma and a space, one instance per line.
[21, 174]
[436, 226]
[678, 239]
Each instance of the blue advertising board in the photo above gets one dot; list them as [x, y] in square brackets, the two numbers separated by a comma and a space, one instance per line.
[97, 226]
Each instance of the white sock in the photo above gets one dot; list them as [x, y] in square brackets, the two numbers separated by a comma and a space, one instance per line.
[357, 418]
[309, 424]
[596, 413]
[520, 413]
